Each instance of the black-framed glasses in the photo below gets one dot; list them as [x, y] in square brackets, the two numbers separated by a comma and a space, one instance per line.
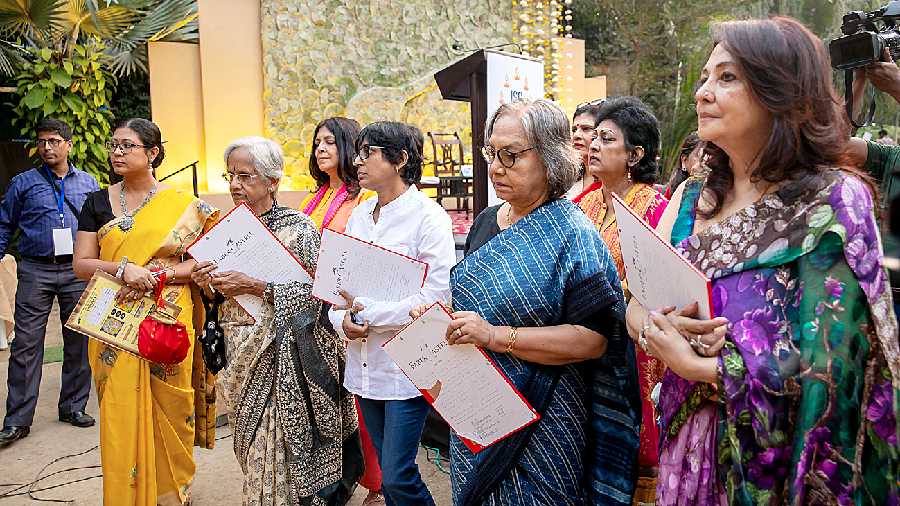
[507, 158]
[52, 143]
[366, 151]
[125, 147]
[242, 178]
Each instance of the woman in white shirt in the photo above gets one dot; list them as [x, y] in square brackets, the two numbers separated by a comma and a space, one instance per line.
[403, 220]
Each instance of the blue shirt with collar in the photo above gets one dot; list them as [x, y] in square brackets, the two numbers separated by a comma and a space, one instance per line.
[31, 206]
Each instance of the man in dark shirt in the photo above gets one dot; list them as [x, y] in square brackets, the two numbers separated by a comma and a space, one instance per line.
[882, 161]
[43, 204]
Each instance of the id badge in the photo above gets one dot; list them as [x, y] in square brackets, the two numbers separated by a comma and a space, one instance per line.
[62, 241]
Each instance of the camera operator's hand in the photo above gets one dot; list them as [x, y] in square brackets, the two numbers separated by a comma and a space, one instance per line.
[885, 75]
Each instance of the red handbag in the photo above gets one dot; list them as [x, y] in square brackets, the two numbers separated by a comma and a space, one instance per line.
[162, 339]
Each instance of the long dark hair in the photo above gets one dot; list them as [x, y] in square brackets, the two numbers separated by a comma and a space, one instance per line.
[345, 131]
[788, 71]
[680, 173]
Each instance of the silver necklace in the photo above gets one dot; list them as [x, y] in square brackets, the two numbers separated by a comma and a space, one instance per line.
[128, 217]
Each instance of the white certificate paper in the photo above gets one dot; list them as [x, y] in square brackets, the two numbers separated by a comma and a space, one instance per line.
[658, 276]
[240, 242]
[460, 381]
[363, 269]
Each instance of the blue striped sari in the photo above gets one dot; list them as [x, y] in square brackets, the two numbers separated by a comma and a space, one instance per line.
[552, 268]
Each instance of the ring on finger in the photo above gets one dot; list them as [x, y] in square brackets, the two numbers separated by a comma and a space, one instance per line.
[458, 333]
[697, 342]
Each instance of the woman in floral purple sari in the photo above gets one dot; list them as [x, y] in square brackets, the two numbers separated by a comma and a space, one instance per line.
[790, 395]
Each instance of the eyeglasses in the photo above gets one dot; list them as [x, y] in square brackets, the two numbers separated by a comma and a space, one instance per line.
[50, 143]
[125, 147]
[366, 151]
[599, 101]
[507, 158]
[243, 179]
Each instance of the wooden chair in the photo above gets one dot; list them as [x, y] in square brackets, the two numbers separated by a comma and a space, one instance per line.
[451, 182]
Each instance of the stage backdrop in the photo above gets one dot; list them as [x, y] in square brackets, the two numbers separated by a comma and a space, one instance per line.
[370, 61]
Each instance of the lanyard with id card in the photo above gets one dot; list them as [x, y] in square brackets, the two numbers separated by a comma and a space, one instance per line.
[62, 237]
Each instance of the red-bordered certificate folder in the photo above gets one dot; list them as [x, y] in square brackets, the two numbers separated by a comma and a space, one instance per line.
[241, 242]
[364, 269]
[658, 275]
[460, 381]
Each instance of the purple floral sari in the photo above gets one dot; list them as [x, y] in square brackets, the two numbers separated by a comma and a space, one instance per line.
[805, 409]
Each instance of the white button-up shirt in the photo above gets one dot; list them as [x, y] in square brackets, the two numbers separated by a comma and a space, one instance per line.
[415, 226]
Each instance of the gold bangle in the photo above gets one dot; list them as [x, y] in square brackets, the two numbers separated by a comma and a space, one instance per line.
[513, 334]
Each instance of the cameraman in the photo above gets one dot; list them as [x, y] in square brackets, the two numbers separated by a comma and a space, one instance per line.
[882, 161]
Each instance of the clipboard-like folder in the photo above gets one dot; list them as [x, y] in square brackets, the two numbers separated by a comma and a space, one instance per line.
[461, 382]
[98, 316]
[657, 274]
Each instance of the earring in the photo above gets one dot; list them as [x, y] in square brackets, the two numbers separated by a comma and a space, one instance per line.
[628, 174]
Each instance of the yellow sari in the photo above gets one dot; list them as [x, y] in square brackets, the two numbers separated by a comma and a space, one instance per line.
[149, 416]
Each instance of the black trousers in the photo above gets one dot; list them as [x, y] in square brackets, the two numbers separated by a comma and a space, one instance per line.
[38, 284]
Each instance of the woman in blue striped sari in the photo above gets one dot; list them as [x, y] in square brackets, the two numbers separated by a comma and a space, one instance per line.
[539, 292]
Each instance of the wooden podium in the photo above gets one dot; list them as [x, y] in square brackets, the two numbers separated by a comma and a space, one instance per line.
[467, 81]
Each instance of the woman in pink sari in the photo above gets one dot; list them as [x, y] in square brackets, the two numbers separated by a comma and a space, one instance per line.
[338, 194]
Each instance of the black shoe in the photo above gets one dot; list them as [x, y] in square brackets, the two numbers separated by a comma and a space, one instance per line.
[78, 419]
[10, 434]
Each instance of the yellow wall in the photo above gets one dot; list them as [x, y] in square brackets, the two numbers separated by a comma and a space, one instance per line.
[574, 88]
[205, 96]
[177, 108]
[231, 62]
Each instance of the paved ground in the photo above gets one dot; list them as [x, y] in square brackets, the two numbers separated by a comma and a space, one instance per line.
[217, 482]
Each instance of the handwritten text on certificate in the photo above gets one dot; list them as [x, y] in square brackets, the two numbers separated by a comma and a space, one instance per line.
[363, 269]
[240, 242]
[462, 384]
[658, 276]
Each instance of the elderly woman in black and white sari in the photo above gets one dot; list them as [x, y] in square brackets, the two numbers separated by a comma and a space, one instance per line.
[295, 427]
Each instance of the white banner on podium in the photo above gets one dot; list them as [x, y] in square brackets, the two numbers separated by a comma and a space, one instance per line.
[510, 78]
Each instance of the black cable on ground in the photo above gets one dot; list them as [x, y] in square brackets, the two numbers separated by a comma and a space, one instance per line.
[15, 491]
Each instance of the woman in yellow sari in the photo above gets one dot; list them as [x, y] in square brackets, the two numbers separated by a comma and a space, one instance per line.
[151, 415]
[331, 165]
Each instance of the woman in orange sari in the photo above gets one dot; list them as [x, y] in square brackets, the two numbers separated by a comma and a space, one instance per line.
[623, 159]
[331, 165]
[151, 415]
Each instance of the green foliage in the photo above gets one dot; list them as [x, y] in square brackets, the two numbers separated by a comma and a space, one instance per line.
[125, 27]
[132, 97]
[655, 49]
[76, 89]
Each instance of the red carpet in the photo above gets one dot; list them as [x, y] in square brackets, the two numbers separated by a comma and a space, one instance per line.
[462, 221]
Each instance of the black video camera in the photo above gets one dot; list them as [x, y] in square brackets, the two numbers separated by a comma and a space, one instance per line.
[866, 35]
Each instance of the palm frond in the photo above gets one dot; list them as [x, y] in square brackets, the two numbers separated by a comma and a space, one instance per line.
[108, 22]
[11, 57]
[186, 30]
[34, 20]
[159, 17]
[190, 32]
[165, 19]
[125, 60]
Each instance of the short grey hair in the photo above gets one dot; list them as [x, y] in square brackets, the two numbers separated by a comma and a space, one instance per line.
[268, 159]
[547, 131]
